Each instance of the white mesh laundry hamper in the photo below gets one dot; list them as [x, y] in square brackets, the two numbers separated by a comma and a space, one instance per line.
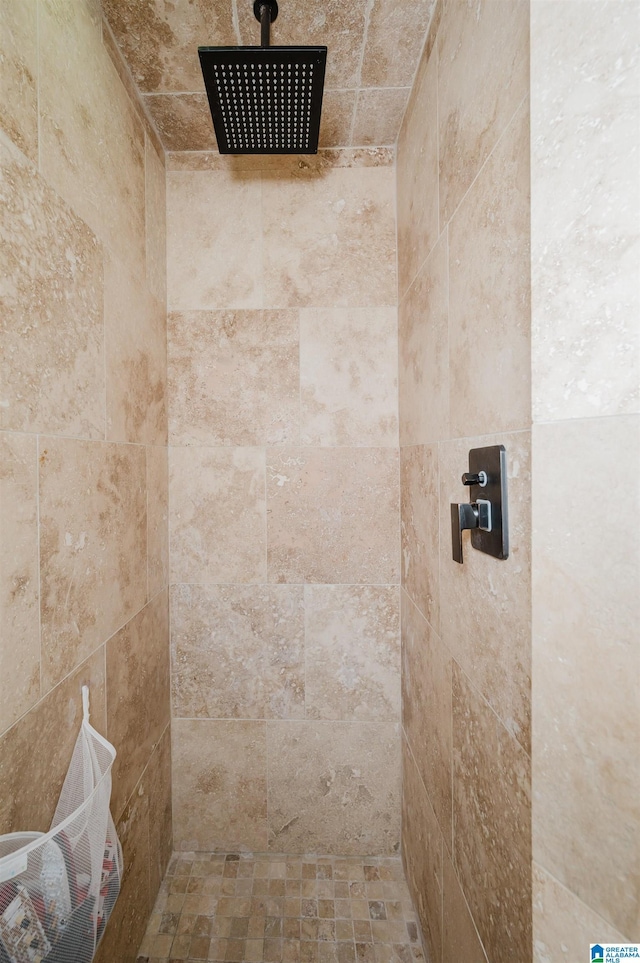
[57, 889]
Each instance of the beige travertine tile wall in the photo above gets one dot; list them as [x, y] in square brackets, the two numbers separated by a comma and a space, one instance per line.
[83, 435]
[284, 502]
[373, 49]
[585, 106]
[464, 382]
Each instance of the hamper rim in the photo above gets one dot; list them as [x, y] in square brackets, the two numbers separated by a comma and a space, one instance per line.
[20, 832]
[60, 827]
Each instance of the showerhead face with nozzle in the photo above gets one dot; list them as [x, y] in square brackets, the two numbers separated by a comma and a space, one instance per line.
[265, 100]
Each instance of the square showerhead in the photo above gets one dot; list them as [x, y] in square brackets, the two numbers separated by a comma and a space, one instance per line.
[265, 100]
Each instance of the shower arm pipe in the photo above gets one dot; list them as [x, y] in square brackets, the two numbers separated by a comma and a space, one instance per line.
[266, 12]
[265, 25]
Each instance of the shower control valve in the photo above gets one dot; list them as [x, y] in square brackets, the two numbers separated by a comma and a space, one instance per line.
[486, 515]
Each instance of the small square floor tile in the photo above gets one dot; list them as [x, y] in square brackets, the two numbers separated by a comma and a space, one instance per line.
[278, 908]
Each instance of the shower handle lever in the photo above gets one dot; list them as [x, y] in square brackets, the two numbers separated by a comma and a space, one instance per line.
[468, 516]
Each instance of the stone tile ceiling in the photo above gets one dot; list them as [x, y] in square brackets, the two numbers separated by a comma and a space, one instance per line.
[374, 48]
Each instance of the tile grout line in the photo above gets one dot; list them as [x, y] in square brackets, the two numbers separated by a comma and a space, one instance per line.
[338, 90]
[38, 111]
[267, 777]
[39, 541]
[235, 20]
[289, 584]
[491, 153]
[422, 264]
[517, 745]
[575, 896]
[378, 721]
[146, 480]
[365, 34]
[438, 185]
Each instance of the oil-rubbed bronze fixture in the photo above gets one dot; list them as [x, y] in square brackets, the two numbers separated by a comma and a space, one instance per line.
[265, 100]
[486, 515]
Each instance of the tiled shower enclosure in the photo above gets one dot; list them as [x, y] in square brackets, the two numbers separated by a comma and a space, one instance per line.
[236, 399]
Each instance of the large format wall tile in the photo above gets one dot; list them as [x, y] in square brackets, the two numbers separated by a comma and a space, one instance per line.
[395, 34]
[490, 293]
[423, 338]
[347, 220]
[220, 785]
[483, 52]
[417, 182]
[92, 142]
[19, 599]
[217, 514]
[426, 709]
[234, 377]
[51, 330]
[162, 66]
[349, 376]
[492, 824]
[157, 520]
[183, 121]
[585, 631]
[377, 113]
[93, 547]
[238, 651]
[19, 74]
[562, 925]
[334, 787]
[36, 751]
[214, 241]
[485, 604]
[352, 652]
[422, 851]
[420, 529]
[136, 359]
[460, 940]
[586, 209]
[333, 515]
[138, 696]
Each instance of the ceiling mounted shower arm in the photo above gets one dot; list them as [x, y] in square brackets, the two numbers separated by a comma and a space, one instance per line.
[266, 12]
[265, 26]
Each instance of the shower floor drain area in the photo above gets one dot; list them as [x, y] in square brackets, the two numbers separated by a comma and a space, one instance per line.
[282, 909]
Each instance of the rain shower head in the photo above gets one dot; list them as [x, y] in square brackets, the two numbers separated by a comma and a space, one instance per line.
[265, 100]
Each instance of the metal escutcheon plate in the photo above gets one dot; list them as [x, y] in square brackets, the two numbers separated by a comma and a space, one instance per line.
[492, 460]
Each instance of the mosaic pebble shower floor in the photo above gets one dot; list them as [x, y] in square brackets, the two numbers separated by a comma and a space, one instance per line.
[282, 909]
